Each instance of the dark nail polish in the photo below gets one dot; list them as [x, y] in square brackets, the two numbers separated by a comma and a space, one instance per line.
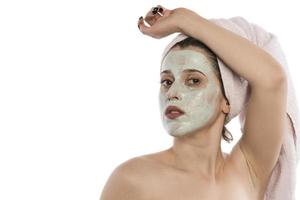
[161, 10]
[155, 9]
[141, 17]
[154, 12]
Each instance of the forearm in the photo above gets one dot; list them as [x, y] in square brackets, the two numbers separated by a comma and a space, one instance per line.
[242, 56]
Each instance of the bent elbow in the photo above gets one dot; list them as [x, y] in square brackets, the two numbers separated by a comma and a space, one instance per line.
[276, 80]
[280, 79]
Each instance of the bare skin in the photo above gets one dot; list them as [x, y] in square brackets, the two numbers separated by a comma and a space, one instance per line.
[155, 177]
[170, 174]
[195, 168]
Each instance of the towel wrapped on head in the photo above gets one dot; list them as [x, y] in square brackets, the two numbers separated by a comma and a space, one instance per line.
[237, 91]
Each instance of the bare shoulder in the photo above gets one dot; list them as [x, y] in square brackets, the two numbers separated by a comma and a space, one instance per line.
[123, 181]
[127, 181]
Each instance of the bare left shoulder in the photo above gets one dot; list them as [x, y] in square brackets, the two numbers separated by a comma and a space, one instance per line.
[130, 179]
[127, 181]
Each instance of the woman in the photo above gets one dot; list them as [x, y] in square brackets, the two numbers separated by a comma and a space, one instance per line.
[193, 109]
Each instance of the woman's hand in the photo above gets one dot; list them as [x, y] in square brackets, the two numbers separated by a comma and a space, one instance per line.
[162, 21]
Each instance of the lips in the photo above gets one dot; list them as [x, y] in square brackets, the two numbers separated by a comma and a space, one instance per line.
[173, 112]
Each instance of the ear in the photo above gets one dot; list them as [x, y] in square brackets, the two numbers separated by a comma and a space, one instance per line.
[225, 106]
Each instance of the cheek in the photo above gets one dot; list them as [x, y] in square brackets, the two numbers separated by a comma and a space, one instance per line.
[195, 100]
[204, 98]
[212, 96]
[160, 98]
[209, 97]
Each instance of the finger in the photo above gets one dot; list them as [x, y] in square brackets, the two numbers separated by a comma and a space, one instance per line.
[157, 11]
[146, 30]
[151, 20]
[163, 10]
[142, 21]
[156, 31]
[142, 26]
[151, 16]
[138, 22]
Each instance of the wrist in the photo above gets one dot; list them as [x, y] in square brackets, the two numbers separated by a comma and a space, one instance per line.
[188, 20]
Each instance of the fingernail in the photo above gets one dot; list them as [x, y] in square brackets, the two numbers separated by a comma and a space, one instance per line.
[141, 17]
[161, 10]
[154, 12]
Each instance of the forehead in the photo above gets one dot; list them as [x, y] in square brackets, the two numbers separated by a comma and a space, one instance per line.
[178, 60]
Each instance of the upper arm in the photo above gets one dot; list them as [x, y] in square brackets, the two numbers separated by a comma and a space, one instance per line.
[121, 184]
[264, 127]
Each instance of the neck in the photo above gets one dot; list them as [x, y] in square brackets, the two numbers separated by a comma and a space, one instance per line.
[200, 152]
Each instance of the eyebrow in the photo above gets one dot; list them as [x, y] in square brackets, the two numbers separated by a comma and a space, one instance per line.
[186, 70]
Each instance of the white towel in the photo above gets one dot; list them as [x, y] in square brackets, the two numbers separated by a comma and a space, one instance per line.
[282, 182]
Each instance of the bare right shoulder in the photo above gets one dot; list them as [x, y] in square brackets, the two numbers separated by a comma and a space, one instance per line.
[125, 182]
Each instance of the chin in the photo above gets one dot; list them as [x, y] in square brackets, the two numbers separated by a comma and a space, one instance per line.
[180, 133]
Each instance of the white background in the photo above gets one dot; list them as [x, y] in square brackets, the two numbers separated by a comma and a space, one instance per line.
[79, 88]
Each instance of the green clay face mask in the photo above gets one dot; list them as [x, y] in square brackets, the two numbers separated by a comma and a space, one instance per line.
[198, 99]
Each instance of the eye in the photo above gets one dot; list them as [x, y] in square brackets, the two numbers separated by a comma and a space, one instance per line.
[194, 81]
[166, 82]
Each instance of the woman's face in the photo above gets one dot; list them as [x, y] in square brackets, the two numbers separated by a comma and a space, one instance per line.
[188, 82]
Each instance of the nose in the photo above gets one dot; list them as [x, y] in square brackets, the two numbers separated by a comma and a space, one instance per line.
[173, 94]
[173, 98]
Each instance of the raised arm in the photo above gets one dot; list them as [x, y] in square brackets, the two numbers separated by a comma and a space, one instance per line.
[243, 57]
[266, 111]
[266, 118]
